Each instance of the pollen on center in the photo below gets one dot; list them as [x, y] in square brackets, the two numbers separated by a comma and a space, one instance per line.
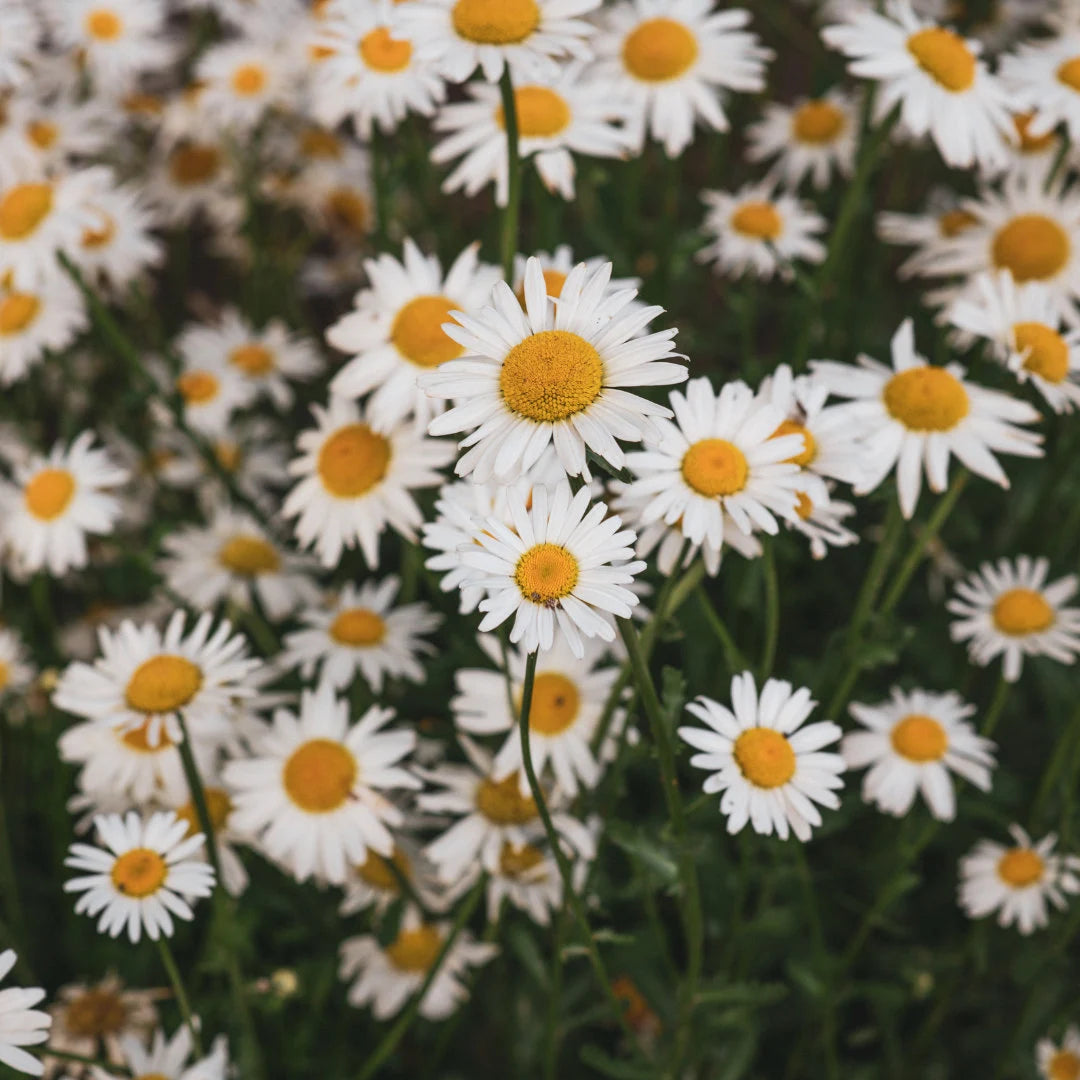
[546, 574]
[765, 757]
[551, 376]
[353, 460]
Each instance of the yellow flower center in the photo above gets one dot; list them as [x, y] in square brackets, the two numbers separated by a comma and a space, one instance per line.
[1030, 144]
[758, 220]
[358, 627]
[317, 143]
[495, 22]
[1069, 73]
[252, 359]
[218, 808]
[17, 312]
[194, 164]
[1064, 1065]
[382, 52]
[376, 871]
[198, 387]
[817, 122]
[541, 113]
[152, 1076]
[139, 739]
[554, 280]
[414, 951]
[48, 493]
[95, 1013]
[919, 738]
[715, 467]
[347, 209]
[1018, 612]
[139, 873]
[418, 335]
[1047, 353]
[807, 454]
[249, 79]
[229, 455]
[163, 684]
[5, 674]
[98, 238]
[926, 399]
[659, 49]
[502, 802]
[1032, 246]
[23, 208]
[546, 573]
[555, 703]
[518, 861]
[42, 134]
[319, 776]
[804, 505]
[1020, 867]
[944, 56]
[249, 556]
[551, 376]
[765, 757]
[103, 24]
[954, 222]
[353, 460]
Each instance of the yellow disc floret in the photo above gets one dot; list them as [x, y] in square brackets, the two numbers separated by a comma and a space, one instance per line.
[919, 738]
[163, 684]
[546, 573]
[715, 467]
[944, 56]
[1019, 612]
[139, 873]
[926, 399]
[657, 50]
[414, 951]
[418, 335]
[1033, 247]
[23, 208]
[541, 112]
[495, 22]
[48, 493]
[198, 387]
[249, 556]
[817, 122]
[765, 757]
[353, 460]
[502, 803]
[757, 220]
[555, 703]
[809, 450]
[1046, 353]
[551, 376]
[381, 52]
[358, 627]
[17, 312]
[1020, 867]
[319, 776]
[252, 359]
[1069, 73]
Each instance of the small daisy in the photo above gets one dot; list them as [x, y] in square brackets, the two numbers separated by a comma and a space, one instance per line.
[820, 518]
[55, 502]
[770, 769]
[312, 791]
[936, 77]
[168, 1059]
[756, 231]
[1035, 155]
[211, 391]
[243, 79]
[355, 481]
[337, 197]
[196, 178]
[386, 976]
[1009, 610]
[927, 232]
[1060, 1062]
[373, 883]
[914, 415]
[148, 681]
[1017, 881]
[553, 373]
[16, 673]
[556, 266]
[19, 45]
[395, 331]
[20, 1024]
[54, 132]
[674, 61]
[1045, 76]
[527, 878]
[147, 874]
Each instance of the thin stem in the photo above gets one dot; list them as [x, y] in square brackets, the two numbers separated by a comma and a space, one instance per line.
[378, 183]
[732, 656]
[772, 612]
[1057, 762]
[512, 211]
[82, 1059]
[169, 962]
[551, 1016]
[997, 704]
[198, 797]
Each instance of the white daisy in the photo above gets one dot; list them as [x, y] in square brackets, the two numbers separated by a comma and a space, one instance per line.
[47, 317]
[1017, 881]
[312, 791]
[16, 673]
[556, 266]
[211, 392]
[1007, 609]
[551, 374]
[1036, 155]
[243, 79]
[48, 134]
[19, 45]
[1044, 76]
[770, 769]
[21, 1024]
[374, 883]
[927, 232]
[674, 61]
[196, 178]
[820, 518]
[357, 480]
[1061, 1061]
[167, 1059]
[336, 195]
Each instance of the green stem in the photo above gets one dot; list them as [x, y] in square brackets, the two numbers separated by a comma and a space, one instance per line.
[169, 962]
[772, 612]
[551, 1015]
[732, 656]
[1059, 758]
[198, 797]
[9, 879]
[82, 1059]
[509, 239]
[997, 704]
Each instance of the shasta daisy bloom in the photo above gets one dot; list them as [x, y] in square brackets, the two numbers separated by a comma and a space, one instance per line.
[21, 1024]
[243, 79]
[195, 178]
[312, 793]
[120, 245]
[914, 415]
[167, 1059]
[770, 769]
[211, 392]
[551, 374]
[146, 873]
[147, 681]
[374, 882]
[673, 61]
[336, 195]
[572, 113]
[556, 266]
[395, 332]
[356, 480]
[55, 502]
[362, 631]
[927, 232]
[1017, 881]
[1007, 609]
[1062, 1061]
[15, 672]
[1044, 76]
[820, 518]
[757, 231]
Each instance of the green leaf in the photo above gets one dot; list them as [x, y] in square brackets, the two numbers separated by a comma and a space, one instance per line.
[744, 994]
[673, 694]
[609, 1066]
[523, 945]
[653, 856]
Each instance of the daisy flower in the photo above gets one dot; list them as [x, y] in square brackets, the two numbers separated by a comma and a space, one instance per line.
[148, 681]
[914, 415]
[551, 374]
[386, 976]
[556, 267]
[19, 45]
[336, 195]
[936, 78]
[46, 135]
[395, 331]
[770, 769]
[243, 79]
[1044, 76]
[55, 502]
[120, 245]
[362, 631]
[356, 480]
[673, 61]
[167, 1059]
[20, 1024]
[927, 232]
[914, 741]
[211, 391]
[1017, 881]
[573, 113]
[374, 883]
[312, 791]
[820, 518]
[145, 874]
[195, 179]
[16, 673]
[756, 231]
[1059, 1062]
[1007, 609]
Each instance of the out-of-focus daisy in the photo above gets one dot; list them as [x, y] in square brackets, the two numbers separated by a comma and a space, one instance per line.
[374, 883]
[19, 46]
[927, 232]
[395, 331]
[551, 374]
[355, 481]
[820, 518]
[914, 415]
[243, 79]
[1017, 881]
[1007, 609]
[211, 392]
[55, 502]
[16, 672]
[1033, 154]
[145, 680]
[1059, 1061]
[936, 77]
[21, 1024]
[673, 60]
[167, 1059]
[53, 132]
[914, 740]
[757, 231]
[1044, 76]
[771, 770]
[386, 976]
[119, 246]
[145, 874]
[336, 195]
[571, 113]
[313, 790]
[556, 266]
[195, 178]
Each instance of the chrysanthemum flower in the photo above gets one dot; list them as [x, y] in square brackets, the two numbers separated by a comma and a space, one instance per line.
[1059, 1061]
[167, 1059]
[21, 1024]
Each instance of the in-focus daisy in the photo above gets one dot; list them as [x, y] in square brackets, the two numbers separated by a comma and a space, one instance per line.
[33, 320]
[551, 374]
[21, 1024]
[395, 331]
[362, 631]
[1044, 76]
[15, 670]
[914, 416]
[356, 480]
[771, 770]
[312, 790]
[914, 741]
[145, 874]
[1007, 609]
[242, 79]
[55, 502]
[1061, 1061]
[167, 1059]
[674, 60]
[936, 77]
[757, 231]
[1016, 881]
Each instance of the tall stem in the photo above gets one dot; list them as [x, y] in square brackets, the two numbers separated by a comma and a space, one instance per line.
[509, 238]
[994, 709]
[169, 962]
[772, 612]
[198, 797]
